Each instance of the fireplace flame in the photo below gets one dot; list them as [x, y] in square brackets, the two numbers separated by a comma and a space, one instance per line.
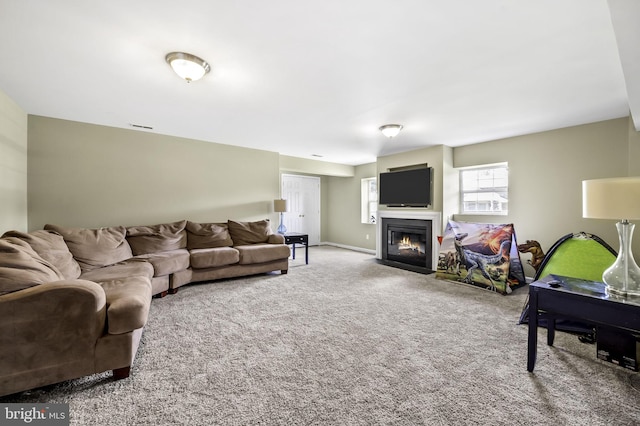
[407, 244]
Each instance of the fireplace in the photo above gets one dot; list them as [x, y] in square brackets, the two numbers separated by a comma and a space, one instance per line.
[408, 239]
[406, 243]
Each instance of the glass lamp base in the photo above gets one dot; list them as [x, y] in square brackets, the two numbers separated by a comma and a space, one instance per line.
[282, 229]
[623, 277]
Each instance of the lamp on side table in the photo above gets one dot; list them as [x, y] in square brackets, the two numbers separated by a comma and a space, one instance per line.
[281, 206]
[616, 198]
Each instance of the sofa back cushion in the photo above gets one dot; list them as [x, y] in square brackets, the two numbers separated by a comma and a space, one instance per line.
[243, 233]
[157, 238]
[51, 247]
[21, 267]
[208, 235]
[95, 248]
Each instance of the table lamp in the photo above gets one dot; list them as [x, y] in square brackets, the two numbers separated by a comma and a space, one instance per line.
[281, 206]
[616, 198]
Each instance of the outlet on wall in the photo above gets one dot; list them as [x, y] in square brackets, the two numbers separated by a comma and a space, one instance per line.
[366, 236]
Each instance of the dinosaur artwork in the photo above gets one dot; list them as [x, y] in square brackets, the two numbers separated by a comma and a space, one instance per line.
[482, 262]
[484, 255]
[533, 247]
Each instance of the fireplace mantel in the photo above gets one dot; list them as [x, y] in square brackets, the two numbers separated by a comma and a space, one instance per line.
[434, 217]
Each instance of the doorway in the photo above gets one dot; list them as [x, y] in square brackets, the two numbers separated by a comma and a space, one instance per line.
[303, 195]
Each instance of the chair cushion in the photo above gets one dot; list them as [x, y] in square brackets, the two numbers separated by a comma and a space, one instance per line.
[260, 253]
[243, 233]
[21, 267]
[157, 238]
[95, 248]
[167, 262]
[212, 257]
[208, 235]
[50, 246]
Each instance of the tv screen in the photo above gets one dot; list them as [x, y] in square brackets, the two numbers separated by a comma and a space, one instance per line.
[406, 188]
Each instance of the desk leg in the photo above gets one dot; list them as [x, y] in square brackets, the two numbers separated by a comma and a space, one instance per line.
[532, 345]
[551, 329]
[306, 253]
[294, 251]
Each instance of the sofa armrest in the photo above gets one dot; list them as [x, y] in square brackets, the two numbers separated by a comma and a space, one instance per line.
[276, 239]
[50, 324]
[128, 302]
[72, 300]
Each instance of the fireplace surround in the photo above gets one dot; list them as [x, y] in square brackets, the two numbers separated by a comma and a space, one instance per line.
[408, 240]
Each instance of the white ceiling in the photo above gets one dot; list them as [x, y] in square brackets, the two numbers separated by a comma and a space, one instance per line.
[317, 77]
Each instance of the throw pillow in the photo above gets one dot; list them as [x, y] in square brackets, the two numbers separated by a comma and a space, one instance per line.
[95, 248]
[208, 235]
[21, 267]
[243, 233]
[157, 238]
[51, 247]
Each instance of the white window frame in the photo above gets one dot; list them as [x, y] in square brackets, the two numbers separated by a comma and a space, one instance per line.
[496, 195]
[369, 200]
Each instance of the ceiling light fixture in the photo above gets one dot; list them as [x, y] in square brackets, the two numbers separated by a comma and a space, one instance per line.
[391, 130]
[188, 66]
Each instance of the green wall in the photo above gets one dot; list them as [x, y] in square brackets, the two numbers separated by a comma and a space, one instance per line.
[13, 166]
[90, 176]
[545, 176]
[343, 210]
[546, 171]
[87, 175]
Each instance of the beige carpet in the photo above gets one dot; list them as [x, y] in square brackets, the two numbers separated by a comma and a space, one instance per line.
[346, 341]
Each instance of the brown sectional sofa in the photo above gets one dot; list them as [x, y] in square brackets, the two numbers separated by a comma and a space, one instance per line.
[74, 301]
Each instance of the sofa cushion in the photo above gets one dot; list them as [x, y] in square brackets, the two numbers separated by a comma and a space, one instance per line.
[260, 253]
[167, 262]
[276, 239]
[207, 235]
[129, 268]
[21, 267]
[157, 238]
[212, 257]
[51, 247]
[243, 233]
[128, 302]
[95, 248]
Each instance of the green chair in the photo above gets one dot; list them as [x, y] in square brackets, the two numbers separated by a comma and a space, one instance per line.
[580, 255]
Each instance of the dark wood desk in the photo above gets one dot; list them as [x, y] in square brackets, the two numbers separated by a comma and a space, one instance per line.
[578, 299]
[294, 238]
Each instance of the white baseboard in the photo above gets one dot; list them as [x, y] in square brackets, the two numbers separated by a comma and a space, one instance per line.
[360, 249]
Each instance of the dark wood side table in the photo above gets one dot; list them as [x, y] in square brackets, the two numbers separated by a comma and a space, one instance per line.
[294, 238]
[563, 297]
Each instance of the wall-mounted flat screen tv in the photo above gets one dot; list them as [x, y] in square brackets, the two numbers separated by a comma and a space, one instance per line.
[406, 188]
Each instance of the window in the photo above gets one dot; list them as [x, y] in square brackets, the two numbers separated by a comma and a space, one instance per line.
[485, 190]
[369, 196]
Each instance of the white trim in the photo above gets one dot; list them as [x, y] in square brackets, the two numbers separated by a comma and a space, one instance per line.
[436, 229]
[360, 249]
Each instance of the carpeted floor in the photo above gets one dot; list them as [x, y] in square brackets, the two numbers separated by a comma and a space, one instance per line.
[347, 341]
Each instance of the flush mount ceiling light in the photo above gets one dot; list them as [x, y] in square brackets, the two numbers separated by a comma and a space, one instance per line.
[391, 130]
[188, 66]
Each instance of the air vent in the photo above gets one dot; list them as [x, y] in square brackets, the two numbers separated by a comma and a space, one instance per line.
[140, 126]
[317, 155]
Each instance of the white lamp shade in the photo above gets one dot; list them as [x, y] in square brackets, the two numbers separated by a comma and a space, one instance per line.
[612, 198]
[280, 206]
